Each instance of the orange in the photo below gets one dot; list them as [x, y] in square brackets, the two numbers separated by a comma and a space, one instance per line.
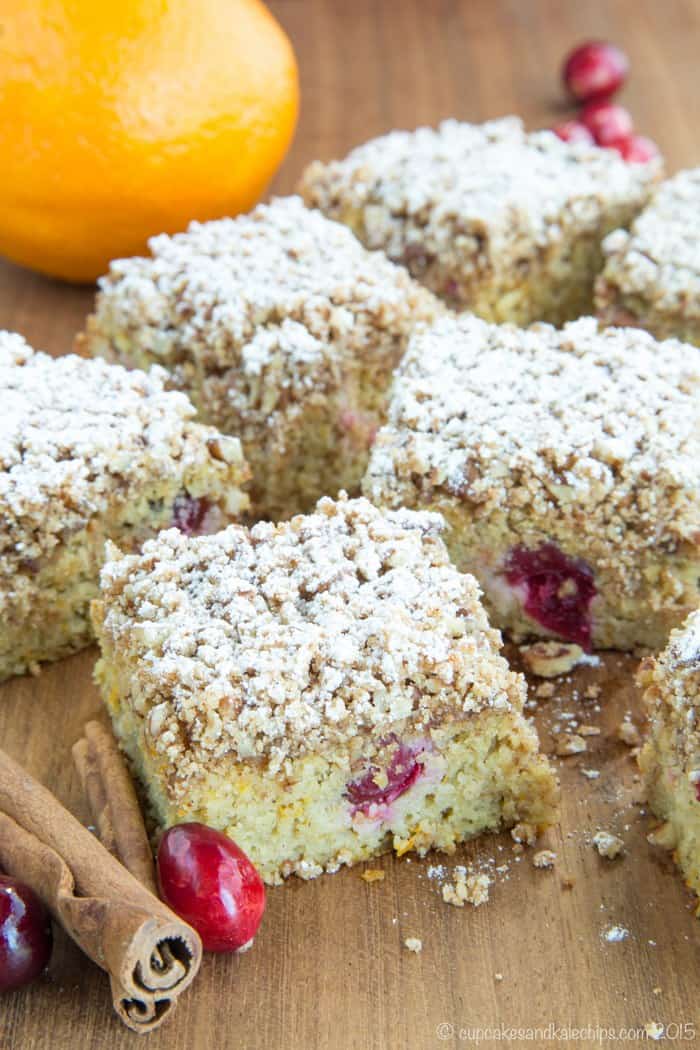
[124, 118]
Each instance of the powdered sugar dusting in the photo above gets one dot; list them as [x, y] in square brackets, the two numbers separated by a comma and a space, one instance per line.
[659, 258]
[288, 638]
[446, 191]
[603, 420]
[208, 294]
[75, 435]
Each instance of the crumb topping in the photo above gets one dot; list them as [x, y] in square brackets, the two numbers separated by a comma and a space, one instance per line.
[233, 292]
[287, 638]
[659, 258]
[460, 189]
[577, 426]
[74, 436]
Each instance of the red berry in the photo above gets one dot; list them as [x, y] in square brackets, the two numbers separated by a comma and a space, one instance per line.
[636, 149]
[189, 513]
[556, 590]
[25, 935]
[595, 71]
[211, 884]
[574, 131]
[400, 774]
[607, 122]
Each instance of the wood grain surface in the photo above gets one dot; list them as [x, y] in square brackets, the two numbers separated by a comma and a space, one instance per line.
[329, 968]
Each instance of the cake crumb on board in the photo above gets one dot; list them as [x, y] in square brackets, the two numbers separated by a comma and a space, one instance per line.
[414, 944]
[608, 845]
[471, 889]
[373, 875]
[544, 858]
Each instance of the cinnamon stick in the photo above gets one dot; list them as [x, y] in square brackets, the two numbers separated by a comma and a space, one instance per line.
[113, 803]
[149, 953]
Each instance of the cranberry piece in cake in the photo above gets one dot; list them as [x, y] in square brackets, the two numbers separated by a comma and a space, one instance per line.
[380, 786]
[565, 464]
[189, 513]
[556, 591]
[322, 690]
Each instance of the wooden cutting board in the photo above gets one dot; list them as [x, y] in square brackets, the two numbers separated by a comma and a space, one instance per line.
[329, 968]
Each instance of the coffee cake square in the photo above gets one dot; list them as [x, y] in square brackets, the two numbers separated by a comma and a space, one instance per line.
[505, 223]
[90, 452]
[281, 328]
[652, 273]
[670, 758]
[566, 463]
[322, 690]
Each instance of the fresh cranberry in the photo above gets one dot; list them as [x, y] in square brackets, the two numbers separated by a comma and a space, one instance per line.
[636, 149]
[25, 935]
[697, 790]
[574, 131]
[607, 122]
[189, 513]
[595, 70]
[211, 884]
[557, 590]
[401, 773]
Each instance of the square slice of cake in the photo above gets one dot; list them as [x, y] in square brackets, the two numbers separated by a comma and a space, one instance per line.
[652, 273]
[566, 463]
[90, 452]
[494, 220]
[670, 758]
[322, 690]
[281, 328]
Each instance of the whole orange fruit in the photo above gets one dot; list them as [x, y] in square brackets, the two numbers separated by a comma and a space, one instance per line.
[124, 118]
